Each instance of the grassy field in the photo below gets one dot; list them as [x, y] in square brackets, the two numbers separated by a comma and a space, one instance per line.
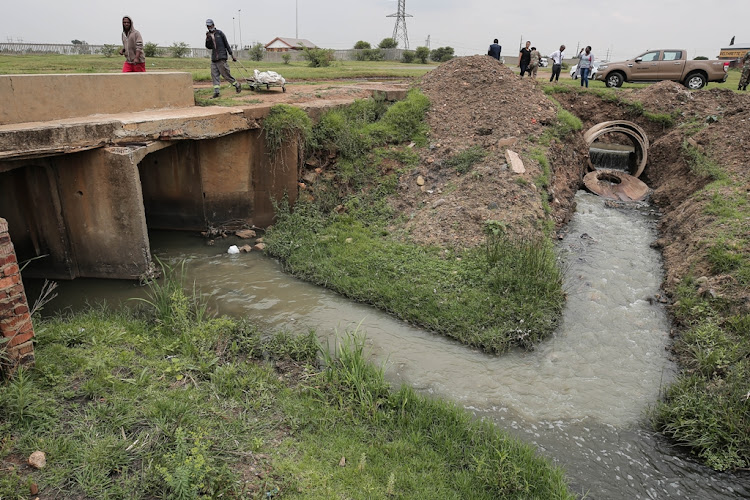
[169, 403]
[200, 67]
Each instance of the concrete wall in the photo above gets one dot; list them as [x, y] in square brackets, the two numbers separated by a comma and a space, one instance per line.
[227, 181]
[78, 215]
[32, 98]
[15, 318]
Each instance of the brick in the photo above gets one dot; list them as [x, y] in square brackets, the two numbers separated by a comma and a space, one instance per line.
[13, 322]
[8, 259]
[9, 270]
[4, 238]
[21, 308]
[3, 225]
[24, 348]
[20, 339]
[7, 249]
[6, 282]
[15, 290]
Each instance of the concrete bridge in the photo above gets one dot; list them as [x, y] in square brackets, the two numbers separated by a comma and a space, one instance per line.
[90, 162]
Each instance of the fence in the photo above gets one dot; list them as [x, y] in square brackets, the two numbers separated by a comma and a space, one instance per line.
[85, 48]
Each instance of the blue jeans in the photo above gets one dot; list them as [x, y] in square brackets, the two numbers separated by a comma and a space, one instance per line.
[585, 77]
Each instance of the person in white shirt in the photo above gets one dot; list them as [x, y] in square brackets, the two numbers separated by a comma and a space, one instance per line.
[557, 59]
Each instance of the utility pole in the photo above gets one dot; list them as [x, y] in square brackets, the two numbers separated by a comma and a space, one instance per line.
[239, 17]
[520, 44]
[427, 42]
[234, 33]
[296, 19]
[400, 26]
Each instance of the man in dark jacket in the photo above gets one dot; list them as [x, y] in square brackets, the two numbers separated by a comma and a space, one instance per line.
[494, 50]
[220, 50]
[132, 48]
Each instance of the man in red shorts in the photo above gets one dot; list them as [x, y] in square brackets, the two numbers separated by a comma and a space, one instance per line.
[132, 48]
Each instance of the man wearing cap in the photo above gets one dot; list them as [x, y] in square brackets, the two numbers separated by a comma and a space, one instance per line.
[220, 50]
[132, 48]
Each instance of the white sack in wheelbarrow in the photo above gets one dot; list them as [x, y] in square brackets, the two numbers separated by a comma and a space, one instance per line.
[268, 77]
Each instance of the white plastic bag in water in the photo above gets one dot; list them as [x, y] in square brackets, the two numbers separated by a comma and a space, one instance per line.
[233, 250]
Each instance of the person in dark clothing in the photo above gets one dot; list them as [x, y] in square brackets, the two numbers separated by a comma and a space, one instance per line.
[495, 50]
[220, 50]
[132, 48]
[524, 58]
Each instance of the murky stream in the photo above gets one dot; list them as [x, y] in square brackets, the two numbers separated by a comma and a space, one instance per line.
[580, 396]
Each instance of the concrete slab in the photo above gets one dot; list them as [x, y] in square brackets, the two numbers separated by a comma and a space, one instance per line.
[28, 98]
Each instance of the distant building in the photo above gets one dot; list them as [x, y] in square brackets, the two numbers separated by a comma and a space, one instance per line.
[734, 53]
[284, 44]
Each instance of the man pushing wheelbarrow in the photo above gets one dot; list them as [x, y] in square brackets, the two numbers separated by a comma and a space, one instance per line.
[217, 42]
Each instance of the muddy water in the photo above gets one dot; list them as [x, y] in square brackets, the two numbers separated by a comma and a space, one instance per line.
[579, 397]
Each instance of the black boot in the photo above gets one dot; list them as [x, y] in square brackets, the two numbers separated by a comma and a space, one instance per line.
[216, 94]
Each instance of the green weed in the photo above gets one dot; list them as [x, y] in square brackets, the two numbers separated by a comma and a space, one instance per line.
[286, 123]
[464, 160]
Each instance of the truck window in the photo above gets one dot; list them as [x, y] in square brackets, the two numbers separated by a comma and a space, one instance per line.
[672, 55]
[650, 56]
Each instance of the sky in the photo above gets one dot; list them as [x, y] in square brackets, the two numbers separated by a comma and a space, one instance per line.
[618, 31]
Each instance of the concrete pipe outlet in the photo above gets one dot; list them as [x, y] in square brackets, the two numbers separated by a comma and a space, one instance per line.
[637, 137]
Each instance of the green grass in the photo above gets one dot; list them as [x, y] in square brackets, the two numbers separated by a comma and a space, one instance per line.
[464, 160]
[200, 67]
[129, 406]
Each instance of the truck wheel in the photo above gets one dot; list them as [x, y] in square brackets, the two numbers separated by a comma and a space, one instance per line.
[695, 81]
[614, 79]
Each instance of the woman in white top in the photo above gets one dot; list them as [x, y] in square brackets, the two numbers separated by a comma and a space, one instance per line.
[585, 63]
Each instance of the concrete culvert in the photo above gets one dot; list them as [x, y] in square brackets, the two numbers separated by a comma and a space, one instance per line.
[616, 185]
[637, 137]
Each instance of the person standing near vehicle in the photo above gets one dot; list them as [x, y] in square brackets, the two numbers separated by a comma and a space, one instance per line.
[745, 78]
[132, 48]
[557, 59]
[534, 61]
[524, 57]
[217, 42]
[585, 64]
[495, 50]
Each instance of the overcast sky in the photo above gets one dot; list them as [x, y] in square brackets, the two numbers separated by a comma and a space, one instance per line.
[620, 29]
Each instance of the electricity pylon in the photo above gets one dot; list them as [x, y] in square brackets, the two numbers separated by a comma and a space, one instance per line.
[399, 30]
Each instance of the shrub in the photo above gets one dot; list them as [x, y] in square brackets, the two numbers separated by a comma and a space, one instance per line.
[408, 56]
[179, 49]
[257, 51]
[109, 50]
[422, 54]
[286, 57]
[442, 54]
[318, 57]
[362, 45]
[151, 50]
[370, 55]
[388, 43]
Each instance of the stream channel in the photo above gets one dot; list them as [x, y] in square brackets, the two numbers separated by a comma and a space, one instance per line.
[580, 396]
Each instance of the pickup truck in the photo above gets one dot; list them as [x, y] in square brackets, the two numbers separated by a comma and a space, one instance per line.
[667, 64]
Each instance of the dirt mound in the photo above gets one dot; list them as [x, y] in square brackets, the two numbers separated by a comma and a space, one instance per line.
[671, 97]
[478, 102]
[477, 96]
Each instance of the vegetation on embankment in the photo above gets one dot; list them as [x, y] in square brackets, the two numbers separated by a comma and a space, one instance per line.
[505, 293]
[708, 408]
[170, 403]
[200, 67]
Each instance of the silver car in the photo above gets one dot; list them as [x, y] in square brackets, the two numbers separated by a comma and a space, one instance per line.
[574, 71]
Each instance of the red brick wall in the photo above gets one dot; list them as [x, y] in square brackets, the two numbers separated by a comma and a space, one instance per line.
[15, 319]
